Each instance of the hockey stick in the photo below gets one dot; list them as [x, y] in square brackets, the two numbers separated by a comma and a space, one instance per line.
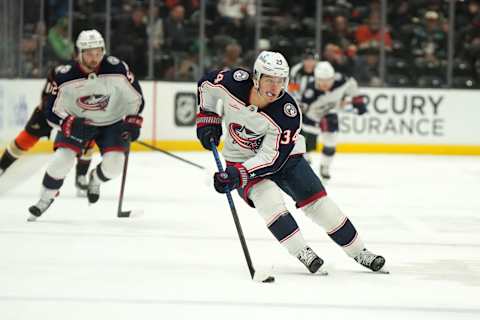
[255, 276]
[120, 213]
[170, 154]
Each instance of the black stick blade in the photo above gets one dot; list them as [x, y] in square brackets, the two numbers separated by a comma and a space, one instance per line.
[124, 214]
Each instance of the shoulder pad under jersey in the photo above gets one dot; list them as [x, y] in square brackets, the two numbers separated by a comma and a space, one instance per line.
[285, 112]
[236, 81]
[66, 72]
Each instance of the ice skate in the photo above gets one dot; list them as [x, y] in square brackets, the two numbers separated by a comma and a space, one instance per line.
[82, 185]
[93, 189]
[325, 172]
[371, 261]
[1, 172]
[310, 260]
[39, 208]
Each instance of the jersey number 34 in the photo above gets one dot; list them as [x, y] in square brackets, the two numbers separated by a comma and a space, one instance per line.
[287, 136]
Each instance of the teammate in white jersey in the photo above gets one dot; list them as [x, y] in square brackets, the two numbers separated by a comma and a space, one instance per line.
[321, 101]
[264, 153]
[95, 99]
[36, 128]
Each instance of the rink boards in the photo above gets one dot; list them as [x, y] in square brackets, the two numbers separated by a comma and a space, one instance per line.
[429, 121]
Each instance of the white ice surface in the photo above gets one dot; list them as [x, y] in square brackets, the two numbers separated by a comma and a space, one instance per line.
[182, 258]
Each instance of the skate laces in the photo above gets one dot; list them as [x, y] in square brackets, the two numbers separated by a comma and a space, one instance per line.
[306, 255]
[365, 258]
[43, 204]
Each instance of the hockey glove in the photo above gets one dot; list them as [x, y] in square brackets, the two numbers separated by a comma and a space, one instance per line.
[209, 126]
[232, 178]
[359, 104]
[78, 129]
[132, 126]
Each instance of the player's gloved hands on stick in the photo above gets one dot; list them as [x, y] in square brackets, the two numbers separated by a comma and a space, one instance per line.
[232, 178]
[359, 104]
[209, 127]
[132, 126]
[77, 129]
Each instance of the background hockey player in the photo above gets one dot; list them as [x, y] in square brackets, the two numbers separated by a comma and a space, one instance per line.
[96, 99]
[36, 128]
[321, 101]
[264, 154]
[301, 74]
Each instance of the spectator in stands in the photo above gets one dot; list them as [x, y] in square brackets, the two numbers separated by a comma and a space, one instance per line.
[130, 41]
[340, 34]
[236, 10]
[429, 39]
[338, 59]
[190, 6]
[33, 36]
[369, 34]
[366, 69]
[59, 42]
[176, 36]
[155, 30]
[237, 20]
[231, 57]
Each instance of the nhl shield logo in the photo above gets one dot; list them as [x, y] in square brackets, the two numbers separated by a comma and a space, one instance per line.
[240, 75]
[290, 110]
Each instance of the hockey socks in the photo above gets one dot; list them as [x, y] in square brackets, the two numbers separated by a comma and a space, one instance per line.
[340, 229]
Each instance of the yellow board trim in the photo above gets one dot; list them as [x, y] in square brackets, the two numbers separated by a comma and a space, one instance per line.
[188, 145]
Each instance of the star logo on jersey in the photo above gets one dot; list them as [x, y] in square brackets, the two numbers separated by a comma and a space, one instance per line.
[290, 110]
[94, 102]
[244, 137]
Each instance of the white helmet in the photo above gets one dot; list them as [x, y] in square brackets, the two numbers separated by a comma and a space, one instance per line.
[324, 71]
[270, 63]
[89, 39]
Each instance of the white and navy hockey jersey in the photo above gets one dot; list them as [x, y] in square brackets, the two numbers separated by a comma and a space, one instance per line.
[102, 97]
[317, 103]
[261, 139]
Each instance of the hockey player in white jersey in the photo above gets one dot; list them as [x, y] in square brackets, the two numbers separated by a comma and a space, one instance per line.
[95, 99]
[36, 128]
[264, 154]
[321, 101]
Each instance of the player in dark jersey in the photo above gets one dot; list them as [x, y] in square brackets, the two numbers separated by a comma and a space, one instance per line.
[36, 128]
[95, 99]
[264, 153]
[301, 74]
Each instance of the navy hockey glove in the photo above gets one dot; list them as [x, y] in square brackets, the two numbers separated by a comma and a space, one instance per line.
[232, 178]
[359, 104]
[78, 129]
[209, 126]
[132, 126]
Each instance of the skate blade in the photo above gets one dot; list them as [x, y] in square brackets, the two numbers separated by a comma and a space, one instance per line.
[382, 271]
[322, 272]
[81, 193]
[32, 218]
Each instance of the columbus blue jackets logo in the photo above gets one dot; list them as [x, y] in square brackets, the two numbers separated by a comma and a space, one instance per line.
[95, 102]
[244, 137]
[290, 110]
[240, 75]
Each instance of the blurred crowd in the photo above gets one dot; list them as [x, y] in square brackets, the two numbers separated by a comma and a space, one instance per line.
[415, 39]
